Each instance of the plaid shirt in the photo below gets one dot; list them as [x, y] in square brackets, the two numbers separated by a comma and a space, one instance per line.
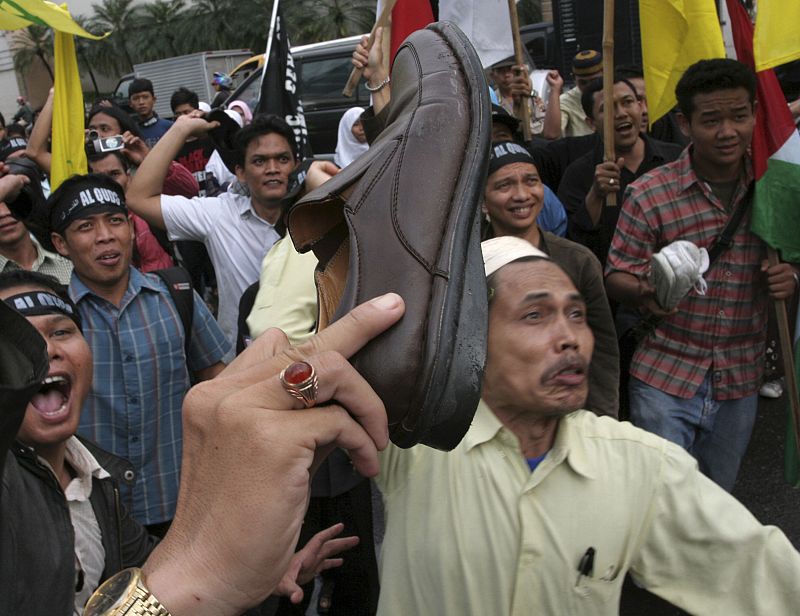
[722, 331]
[46, 263]
[140, 380]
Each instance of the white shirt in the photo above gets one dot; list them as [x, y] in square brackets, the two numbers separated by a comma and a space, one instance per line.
[90, 555]
[236, 238]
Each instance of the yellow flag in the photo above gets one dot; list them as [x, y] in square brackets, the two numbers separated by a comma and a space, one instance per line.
[16, 14]
[777, 37]
[69, 156]
[675, 35]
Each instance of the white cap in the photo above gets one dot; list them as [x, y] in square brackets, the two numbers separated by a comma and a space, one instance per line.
[500, 251]
[204, 106]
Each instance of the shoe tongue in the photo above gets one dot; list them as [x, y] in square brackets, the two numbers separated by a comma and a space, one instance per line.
[48, 402]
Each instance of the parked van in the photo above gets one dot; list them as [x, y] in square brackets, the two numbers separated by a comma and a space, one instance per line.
[322, 72]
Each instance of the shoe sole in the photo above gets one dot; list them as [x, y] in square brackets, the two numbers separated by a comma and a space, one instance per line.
[452, 327]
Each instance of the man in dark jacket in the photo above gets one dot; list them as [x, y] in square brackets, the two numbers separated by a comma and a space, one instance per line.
[65, 525]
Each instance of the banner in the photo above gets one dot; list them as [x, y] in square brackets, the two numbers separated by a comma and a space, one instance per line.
[486, 23]
[69, 154]
[279, 86]
[17, 14]
[675, 34]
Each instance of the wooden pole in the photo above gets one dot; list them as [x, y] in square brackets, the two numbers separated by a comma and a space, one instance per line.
[522, 109]
[608, 89]
[383, 20]
[785, 341]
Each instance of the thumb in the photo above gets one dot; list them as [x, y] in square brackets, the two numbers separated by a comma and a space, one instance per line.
[620, 162]
[764, 265]
[378, 36]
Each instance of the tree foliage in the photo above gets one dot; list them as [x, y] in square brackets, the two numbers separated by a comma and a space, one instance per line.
[166, 28]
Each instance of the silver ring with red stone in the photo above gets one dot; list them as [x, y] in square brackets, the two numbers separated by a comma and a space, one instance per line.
[299, 379]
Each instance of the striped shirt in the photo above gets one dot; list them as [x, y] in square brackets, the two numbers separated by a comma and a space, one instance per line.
[140, 380]
[723, 331]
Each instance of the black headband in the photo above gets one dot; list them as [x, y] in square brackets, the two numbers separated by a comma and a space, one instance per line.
[505, 153]
[84, 200]
[35, 303]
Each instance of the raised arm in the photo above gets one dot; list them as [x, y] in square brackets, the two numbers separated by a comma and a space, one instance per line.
[37, 144]
[144, 194]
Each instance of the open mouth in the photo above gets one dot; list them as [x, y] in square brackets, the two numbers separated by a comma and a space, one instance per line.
[109, 258]
[53, 396]
[624, 127]
[570, 374]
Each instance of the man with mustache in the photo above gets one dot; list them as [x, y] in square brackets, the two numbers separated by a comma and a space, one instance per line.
[543, 507]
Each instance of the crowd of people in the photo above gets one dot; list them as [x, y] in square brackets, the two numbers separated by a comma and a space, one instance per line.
[154, 436]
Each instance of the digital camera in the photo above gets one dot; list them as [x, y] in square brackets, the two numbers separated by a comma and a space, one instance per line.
[95, 144]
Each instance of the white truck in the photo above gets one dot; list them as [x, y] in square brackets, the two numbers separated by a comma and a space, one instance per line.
[193, 71]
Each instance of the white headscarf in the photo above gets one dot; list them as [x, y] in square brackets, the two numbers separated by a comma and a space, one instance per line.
[347, 147]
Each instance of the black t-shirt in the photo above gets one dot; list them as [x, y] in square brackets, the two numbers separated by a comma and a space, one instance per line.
[194, 155]
[577, 182]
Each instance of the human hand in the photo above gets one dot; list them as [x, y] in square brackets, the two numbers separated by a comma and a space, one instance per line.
[135, 148]
[781, 279]
[648, 302]
[193, 124]
[318, 173]
[521, 82]
[607, 176]
[10, 183]
[314, 558]
[555, 81]
[249, 454]
[370, 59]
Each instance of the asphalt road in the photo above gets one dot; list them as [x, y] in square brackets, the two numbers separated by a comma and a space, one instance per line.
[760, 487]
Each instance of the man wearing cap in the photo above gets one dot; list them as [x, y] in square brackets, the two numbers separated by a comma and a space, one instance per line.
[142, 365]
[586, 67]
[552, 217]
[513, 201]
[513, 83]
[543, 508]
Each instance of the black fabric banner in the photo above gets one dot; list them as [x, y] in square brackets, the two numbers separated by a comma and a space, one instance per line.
[280, 89]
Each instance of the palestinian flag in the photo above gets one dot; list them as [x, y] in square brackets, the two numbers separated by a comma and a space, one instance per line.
[776, 162]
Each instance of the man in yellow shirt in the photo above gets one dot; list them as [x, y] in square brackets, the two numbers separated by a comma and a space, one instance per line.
[543, 508]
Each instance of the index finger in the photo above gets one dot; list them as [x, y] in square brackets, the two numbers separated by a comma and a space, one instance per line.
[345, 336]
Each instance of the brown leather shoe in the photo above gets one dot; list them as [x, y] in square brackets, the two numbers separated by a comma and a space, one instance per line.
[404, 218]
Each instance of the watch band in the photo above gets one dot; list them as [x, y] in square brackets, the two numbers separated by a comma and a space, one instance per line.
[142, 603]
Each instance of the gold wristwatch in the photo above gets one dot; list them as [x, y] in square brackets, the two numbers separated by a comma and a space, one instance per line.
[124, 594]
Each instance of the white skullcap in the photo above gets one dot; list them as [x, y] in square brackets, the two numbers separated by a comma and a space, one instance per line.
[500, 251]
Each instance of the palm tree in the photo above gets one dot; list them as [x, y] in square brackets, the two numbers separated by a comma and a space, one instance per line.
[31, 43]
[323, 20]
[211, 24]
[122, 19]
[162, 36]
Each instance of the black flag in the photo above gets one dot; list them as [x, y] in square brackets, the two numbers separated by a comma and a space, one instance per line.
[279, 88]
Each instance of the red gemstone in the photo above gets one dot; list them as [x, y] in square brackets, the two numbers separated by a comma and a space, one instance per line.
[297, 373]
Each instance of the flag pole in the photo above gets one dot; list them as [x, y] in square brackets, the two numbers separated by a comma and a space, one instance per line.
[382, 21]
[521, 108]
[272, 22]
[608, 90]
[785, 341]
